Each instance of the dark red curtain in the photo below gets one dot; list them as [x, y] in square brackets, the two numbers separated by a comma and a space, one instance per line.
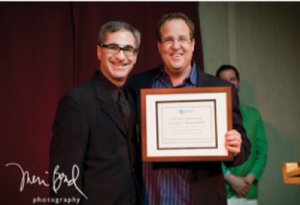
[46, 49]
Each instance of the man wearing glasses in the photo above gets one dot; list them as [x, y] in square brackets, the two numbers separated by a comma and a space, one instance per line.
[93, 148]
[186, 183]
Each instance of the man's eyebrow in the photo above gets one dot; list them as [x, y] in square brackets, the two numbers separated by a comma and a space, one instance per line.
[126, 46]
[112, 44]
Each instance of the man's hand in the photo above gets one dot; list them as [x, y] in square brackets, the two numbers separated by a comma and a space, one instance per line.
[233, 142]
[238, 184]
[250, 178]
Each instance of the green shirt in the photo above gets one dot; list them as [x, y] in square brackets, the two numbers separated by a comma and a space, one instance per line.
[258, 158]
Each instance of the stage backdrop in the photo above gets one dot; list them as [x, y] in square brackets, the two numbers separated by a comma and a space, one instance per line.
[46, 49]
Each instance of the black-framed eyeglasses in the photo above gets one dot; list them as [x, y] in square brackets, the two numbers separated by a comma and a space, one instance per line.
[115, 49]
[181, 40]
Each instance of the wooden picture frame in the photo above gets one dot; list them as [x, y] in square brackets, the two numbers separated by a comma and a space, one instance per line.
[186, 124]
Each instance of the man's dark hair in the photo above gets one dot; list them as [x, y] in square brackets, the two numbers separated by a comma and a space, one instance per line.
[172, 16]
[228, 67]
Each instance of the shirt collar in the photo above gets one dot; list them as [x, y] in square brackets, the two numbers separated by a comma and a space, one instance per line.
[191, 78]
[113, 89]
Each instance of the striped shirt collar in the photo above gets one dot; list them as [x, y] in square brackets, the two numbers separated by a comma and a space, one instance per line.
[191, 78]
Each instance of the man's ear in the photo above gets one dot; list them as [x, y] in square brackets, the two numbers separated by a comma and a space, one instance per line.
[159, 46]
[99, 51]
[193, 44]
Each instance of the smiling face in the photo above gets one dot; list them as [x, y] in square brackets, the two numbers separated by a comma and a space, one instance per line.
[116, 67]
[176, 56]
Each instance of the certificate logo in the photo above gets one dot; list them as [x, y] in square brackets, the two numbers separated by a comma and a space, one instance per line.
[186, 110]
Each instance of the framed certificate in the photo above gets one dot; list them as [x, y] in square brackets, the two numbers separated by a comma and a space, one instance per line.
[185, 124]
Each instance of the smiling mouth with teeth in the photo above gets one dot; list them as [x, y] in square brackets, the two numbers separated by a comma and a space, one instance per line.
[176, 55]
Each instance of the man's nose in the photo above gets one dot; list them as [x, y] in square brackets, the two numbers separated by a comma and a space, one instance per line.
[176, 45]
[121, 55]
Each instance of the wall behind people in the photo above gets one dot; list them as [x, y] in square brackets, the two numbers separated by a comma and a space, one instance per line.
[47, 48]
[262, 40]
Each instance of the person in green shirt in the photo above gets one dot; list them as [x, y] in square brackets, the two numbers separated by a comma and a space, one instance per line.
[242, 181]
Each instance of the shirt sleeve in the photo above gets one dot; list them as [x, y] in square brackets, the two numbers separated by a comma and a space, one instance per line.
[261, 148]
[67, 149]
[238, 126]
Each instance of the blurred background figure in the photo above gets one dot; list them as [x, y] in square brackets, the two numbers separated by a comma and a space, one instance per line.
[242, 181]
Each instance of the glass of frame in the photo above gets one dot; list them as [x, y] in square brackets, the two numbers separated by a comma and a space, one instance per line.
[186, 124]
